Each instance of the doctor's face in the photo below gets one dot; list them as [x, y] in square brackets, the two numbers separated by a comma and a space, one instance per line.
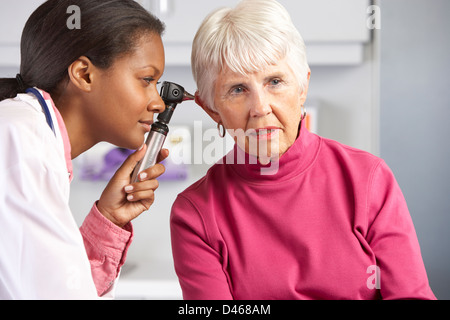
[266, 105]
[127, 96]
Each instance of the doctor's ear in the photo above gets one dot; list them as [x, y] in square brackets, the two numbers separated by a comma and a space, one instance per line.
[81, 73]
[213, 114]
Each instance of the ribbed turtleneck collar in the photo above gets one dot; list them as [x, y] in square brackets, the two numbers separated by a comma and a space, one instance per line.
[295, 161]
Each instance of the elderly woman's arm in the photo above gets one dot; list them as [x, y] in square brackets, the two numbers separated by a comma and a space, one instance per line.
[198, 265]
[392, 237]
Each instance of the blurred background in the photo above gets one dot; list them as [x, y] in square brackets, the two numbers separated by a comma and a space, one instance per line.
[379, 83]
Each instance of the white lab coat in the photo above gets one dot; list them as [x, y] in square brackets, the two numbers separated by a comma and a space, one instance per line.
[42, 255]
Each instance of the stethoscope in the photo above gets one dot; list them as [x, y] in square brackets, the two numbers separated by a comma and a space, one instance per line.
[44, 106]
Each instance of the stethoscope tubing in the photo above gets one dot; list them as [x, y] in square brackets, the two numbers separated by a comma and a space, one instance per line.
[44, 106]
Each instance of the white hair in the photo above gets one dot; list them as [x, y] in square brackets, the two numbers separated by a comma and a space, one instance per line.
[246, 39]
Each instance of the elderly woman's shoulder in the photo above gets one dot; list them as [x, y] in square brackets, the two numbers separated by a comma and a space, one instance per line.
[344, 153]
[203, 184]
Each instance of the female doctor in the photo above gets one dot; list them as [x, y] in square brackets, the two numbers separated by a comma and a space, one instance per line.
[76, 88]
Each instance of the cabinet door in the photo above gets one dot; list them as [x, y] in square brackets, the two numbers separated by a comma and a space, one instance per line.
[330, 20]
[183, 18]
[317, 20]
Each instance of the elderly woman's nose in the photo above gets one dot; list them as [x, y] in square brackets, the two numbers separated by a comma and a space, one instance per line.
[260, 106]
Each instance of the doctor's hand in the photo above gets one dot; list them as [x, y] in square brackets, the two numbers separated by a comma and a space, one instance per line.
[122, 201]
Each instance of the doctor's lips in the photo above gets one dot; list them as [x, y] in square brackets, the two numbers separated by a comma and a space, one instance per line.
[147, 124]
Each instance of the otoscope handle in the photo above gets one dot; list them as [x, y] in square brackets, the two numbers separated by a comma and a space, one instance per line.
[166, 116]
[172, 94]
[154, 142]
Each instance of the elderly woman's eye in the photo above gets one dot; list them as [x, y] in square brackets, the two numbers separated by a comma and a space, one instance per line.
[275, 82]
[237, 90]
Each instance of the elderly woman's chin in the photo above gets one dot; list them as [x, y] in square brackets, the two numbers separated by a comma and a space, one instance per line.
[265, 149]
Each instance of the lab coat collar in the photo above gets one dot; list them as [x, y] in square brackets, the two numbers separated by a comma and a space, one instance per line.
[61, 133]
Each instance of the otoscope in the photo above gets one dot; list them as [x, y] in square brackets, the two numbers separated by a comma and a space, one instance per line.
[172, 95]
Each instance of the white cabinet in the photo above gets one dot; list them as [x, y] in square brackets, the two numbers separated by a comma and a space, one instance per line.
[334, 30]
[330, 21]
[317, 20]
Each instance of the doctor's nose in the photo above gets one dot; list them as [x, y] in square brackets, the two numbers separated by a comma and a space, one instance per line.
[157, 105]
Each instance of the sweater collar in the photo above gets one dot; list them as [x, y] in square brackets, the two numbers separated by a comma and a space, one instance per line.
[299, 157]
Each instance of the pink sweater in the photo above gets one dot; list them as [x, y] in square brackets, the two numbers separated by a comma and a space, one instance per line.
[332, 223]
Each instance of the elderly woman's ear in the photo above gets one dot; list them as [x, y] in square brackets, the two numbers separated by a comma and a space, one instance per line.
[214, 115]
[304, 93]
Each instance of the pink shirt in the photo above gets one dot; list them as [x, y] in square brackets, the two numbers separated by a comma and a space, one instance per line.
[106, 246]
[332, 223]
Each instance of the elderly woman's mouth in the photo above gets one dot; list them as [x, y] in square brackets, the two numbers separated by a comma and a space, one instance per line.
[263, 133]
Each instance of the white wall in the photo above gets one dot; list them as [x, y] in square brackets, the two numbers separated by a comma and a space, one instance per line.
[415, 113]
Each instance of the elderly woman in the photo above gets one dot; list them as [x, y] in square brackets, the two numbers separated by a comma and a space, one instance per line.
[302, 217]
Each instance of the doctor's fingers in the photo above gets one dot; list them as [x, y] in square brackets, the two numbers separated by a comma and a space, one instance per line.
[142, 190]
[146, 195]
[163, 155]
[142, 186]
[151, 173]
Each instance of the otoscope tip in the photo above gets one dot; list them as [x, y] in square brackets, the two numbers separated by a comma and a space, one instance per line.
[188, 96]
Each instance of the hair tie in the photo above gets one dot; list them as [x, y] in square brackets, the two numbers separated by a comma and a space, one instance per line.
[20, 82]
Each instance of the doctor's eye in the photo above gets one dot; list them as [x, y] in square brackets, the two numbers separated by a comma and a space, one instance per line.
[150, 80]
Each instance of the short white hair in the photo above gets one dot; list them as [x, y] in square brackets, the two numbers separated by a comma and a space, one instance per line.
[246, 39]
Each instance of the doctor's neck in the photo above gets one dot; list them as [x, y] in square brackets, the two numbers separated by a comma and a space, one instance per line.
[80, 135]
